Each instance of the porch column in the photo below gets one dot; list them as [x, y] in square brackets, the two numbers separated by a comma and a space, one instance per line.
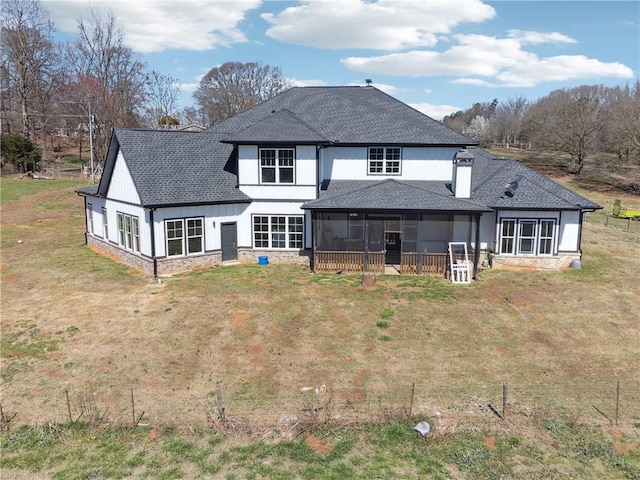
[476, 255]
[366, 243]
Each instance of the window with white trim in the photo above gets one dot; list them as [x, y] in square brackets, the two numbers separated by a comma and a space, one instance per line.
[384, 161]
[105, 224]
[128, 231]
[90, 217]
[545, 245]
[184, 236]
[277, 165]
[527, 236]
[278, 231]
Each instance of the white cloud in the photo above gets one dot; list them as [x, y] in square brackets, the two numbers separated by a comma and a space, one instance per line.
[437, 112]
[155, 26]
[489, 61]
[535, 38]
[379, 25]
[297, 82]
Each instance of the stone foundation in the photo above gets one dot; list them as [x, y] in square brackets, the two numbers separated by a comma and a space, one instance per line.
[170, 266]
[558, 262]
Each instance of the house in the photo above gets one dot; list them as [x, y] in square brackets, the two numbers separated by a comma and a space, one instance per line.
[337, 178]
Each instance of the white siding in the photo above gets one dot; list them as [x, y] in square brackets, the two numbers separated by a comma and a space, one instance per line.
[304, 187]
[569, 232]
[418, 163]
[213, 216]
[113, 208]
[121, 186]
[248, 168]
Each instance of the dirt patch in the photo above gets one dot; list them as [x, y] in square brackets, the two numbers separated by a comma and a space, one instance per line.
[317, 445]
[490, 442]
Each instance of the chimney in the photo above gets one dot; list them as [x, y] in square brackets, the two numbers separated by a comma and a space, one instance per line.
[462, 168]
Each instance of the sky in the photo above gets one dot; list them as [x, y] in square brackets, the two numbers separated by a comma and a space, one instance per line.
[439, 56]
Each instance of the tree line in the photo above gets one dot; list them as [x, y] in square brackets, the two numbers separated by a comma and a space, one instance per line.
[577, 121]
[97, 82]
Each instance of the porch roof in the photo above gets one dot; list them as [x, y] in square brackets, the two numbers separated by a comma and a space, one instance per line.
[390, 195]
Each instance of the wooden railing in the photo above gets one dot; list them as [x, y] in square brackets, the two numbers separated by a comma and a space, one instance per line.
[348, 262]
[433, 264]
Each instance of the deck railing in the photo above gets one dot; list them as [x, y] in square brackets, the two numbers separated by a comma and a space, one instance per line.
[432, 264]
[348, 262]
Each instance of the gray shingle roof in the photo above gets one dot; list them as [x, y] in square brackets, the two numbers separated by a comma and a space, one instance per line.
[360, 115]
[534, 191]
[390, 194]
[281, 126]
[177, 167]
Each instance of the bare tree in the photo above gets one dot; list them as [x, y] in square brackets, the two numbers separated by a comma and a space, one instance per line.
[162, 96]
[107, 75]
[508, 122]
[28, 54]
[234, 87]
[622, 122]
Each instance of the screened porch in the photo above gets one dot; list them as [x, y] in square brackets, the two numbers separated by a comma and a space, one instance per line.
[355, 242]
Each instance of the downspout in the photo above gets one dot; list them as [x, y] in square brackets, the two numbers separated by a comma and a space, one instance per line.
[153, 244]
[86, 225]
[476, 253]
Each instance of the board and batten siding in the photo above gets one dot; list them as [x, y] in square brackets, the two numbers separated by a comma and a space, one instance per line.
[121, 186]
[418, 163]
[303, 187]
[567, 226]
[213, 216]
[245, 224]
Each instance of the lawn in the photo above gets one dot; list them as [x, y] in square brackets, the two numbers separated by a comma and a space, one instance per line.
[319, 377]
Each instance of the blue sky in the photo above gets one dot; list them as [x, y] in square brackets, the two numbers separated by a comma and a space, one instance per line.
[438, 56]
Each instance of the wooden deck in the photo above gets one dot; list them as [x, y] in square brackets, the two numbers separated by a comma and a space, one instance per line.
[432, 264]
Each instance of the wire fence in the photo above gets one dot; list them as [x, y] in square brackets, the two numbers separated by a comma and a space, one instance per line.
[616, 403]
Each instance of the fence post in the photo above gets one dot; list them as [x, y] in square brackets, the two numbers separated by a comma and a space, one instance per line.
[504, 401]
[617, 401]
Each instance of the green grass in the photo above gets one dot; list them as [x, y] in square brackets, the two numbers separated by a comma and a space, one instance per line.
[12, 189]
[388, 450]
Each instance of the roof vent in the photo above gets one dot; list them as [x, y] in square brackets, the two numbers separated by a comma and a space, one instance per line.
[369, 82]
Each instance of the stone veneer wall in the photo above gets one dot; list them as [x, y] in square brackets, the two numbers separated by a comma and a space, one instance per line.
[168, 266]
[300, 257]
[535, 263]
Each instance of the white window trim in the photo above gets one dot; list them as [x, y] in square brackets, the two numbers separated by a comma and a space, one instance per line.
[184, 239]
[385, 162]
[105, 224]
[270, 232]
[128, 231]
[277, 166]
[536, 236]
[90, 218]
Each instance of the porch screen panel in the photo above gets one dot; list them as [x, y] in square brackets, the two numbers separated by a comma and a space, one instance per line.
[410, 234]
[332, 231]
[434, 233]
[376, 235]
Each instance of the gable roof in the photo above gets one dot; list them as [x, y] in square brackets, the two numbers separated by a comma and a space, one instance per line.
[175, 167]
[354, 115]
[390, 194]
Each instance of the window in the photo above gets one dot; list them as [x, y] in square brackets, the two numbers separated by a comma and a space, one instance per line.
[181, 240]
[90, 217]
[527, 236]
[545, 245]
[128, 232]
[105, 224]
[277, 165]
[384, 160]
[278, 231]
[508, 236]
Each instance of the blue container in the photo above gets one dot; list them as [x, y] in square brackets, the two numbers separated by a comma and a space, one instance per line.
[263, 260]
